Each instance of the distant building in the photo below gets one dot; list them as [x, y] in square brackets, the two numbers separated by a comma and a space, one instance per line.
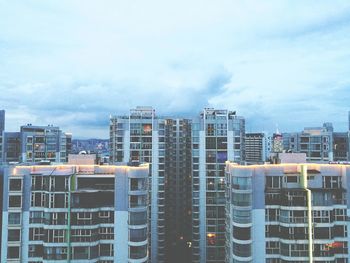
[255, 148]
[268, 144]
[277, 142]
[2, 131]
[341, 146]
[217, 136]
[2, 120]
[43, 143]
[36, 143]
[287, 213]
[69, 146]
[315, 142]
[75, 213]
[1, 201]
[12, 147]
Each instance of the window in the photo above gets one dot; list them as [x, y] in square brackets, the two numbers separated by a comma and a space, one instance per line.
[38, 199]
[106, 250]
[104, 214]
[138, 218]
[59, 201]
[81, 253]
[12, 252]
[14, 235]
[15, 184]
[36, 234]
[138, 252]
[241, 216]
[15, 201]
[84, 216]
[138, 235]
[273, 182]
[242, 183]
[241, 233]
[210, 130]
[14, 218]
[241, 250]
[241, 199]
[210, 143]
[58, 235]
[291, 179]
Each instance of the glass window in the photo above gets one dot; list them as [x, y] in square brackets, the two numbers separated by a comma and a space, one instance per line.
[241, 250]
[241, 233]
[15, 184]
[15, 201]
[138, 252]
[14, 235]
[138, 235]
[242, 183]
[12, 252]
[14, 218]
[241, 199]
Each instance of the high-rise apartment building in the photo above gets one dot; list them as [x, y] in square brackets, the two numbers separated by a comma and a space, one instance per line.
[37, 143]
[315, 142]
[341, 146]
[178, 180]
[12, 147]
[255, 151]
[217, 136]
[140, 137]
[1, 194]
[75, 213]
[43, 143]
[69, 144]
[2, 120]
[277, 142]
[287, 213]
[2, 133]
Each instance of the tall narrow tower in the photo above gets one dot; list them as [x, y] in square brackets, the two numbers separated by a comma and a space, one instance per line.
[217, 136]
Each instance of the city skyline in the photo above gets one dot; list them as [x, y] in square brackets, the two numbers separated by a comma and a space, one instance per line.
[249, 129]
[74, 64]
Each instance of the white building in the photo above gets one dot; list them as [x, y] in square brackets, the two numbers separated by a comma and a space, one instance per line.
[217, 136]
[287, 213]
[75, 213]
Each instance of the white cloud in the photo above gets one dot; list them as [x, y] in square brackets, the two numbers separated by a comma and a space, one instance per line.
[75, 62]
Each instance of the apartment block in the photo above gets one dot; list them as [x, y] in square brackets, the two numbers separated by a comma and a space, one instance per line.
[2, 133]
[341, 146]
[315, 142]
[178, 180]
[75, 213]
[140, 137]
[277, 142]
[217, 136]
[37, 143]
[255, 148]
[43, 143]
[12, 147]
[1, 194]
[287, 213]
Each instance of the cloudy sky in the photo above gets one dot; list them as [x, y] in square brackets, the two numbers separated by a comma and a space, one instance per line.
[73, 63]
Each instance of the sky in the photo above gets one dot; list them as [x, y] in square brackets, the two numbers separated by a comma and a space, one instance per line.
[74, 63]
